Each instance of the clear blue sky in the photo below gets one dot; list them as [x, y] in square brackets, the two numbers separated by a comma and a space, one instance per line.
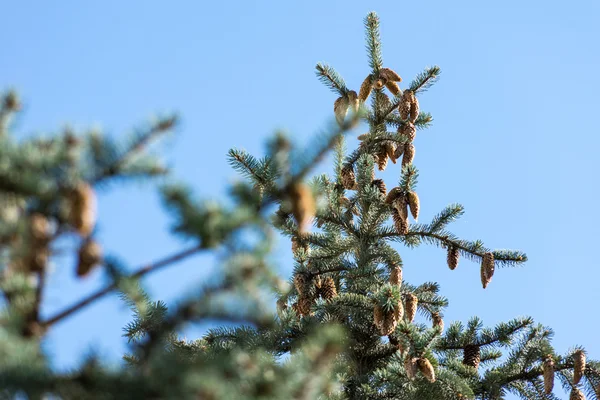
[514, 138]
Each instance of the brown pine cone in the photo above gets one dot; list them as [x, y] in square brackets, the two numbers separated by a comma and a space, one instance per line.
[401, 224]
[426, 369]
[380, 185]
[453, 255]
[393, 87]
[82, 213]
[410, 366]
[487, 269]
[303, 205]
[472, 356]
[408, 130]
[390, 149]
[578, 365]
[365, 89]
[409, 154]
[414, 109]
[390, 75]
[90, 255]
[348, 177]
[548, 367]
[396, 276]
[340, 109]
[437, 321]
[328, 290]
[353, 101]
[414, 204]
[411, 302]
[393, 195]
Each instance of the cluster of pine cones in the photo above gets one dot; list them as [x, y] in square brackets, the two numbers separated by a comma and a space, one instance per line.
[32, 254]
[578, 371]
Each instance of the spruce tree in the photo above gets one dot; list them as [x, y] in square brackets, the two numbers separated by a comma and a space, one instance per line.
[346, 325]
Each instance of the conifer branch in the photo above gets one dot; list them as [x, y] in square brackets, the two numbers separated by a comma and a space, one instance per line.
[425, 79]
[109, 288]
[373, 41]
[330, 78]
[139, 144]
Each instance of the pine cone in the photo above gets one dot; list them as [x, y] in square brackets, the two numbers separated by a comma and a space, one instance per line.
[390, 149]
[90, 255]
[303, 305]
[393, 87]
[411, 302]
[380, 184]
[340, 108]
[39, 228]
[413, 203]
[348, 178]
[396, 276]
[378, 316]
[548, 368]
[453, 256]
[576, 394]
[408, 130]
[381, 158]
[364, 136]
[487, 269]
[437, 321]
[328, 290]
[426, 369]
[303, 205]
[399, 151]
[414, 109]
[298, 244]
[401, 204]
[404, 107]
[393, 195]
[390, 75]
[365, 89]
[578, 365]
[300, 283]
[401, 224]
[353, 100]
[410, 366]
[82, 213]
[472, 356]
[389, 324]
[409, 154]
[281, 305]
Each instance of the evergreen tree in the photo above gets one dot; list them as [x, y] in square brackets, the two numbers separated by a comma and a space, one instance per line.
[346, 325]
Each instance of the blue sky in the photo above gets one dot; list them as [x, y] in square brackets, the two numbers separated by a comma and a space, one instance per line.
[514, 138]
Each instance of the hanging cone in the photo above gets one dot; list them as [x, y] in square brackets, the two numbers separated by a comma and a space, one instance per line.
[393, 87]
[340, 109]
[353, 101]
[411, 302]
[390, 75]
[548, 367]
[408, 130]
[90, 255]
[304, 304]
[300, 283]
[413, 203]
[472, 356]
[414, 109]
[401, 204]
[381, 158]
[487, 269]
[410, 366]
[405, 104]
[453, 256]
[365, 89]
[378, 316]
[39, 228]
[401, 224]
[437, 321]
[82, 213]
[328, 290]
[393, 195]
[348, 178]
[578, 365]
[426, 369]
[303, 205]
[390, 149]
[409, 154]
[281, 305]
[576, 394]
[396, 276]
[298, 244]
[379, 83]
[389, 324]
[399, 151]
[380, 185]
